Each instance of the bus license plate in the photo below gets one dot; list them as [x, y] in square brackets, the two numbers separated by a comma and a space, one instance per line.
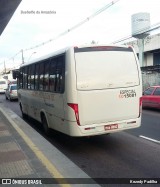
[111, 127]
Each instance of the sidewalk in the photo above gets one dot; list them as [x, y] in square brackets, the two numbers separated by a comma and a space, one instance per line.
[16, 159]
[25, 154]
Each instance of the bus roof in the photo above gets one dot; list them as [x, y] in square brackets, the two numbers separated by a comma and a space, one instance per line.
[45, 57]
[63, 50]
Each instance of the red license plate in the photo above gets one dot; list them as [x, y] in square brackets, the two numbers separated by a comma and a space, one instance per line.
[111, 127]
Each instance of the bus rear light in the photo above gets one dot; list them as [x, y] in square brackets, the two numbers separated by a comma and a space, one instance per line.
[140, 106]
[140, 101]
[75, 108]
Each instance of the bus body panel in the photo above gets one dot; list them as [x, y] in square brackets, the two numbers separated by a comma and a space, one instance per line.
[98, 129]
[102, 106]
[33, 103]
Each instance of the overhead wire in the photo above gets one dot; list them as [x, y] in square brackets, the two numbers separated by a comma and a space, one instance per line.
[145, 30]
[68, 30]
[75, 26]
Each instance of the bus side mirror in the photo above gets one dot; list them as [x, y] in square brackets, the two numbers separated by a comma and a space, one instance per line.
[15, 74]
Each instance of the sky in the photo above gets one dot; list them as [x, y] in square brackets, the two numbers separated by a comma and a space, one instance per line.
[47, 24]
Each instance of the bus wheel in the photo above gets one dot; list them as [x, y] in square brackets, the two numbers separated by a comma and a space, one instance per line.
[45, 125]
[24, 116]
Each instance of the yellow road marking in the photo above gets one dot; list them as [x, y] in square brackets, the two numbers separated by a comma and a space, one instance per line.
[51, 168]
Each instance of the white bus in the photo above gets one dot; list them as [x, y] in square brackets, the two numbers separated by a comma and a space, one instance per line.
[83, 90]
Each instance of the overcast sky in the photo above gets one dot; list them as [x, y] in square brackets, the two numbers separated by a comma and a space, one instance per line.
[38, 21]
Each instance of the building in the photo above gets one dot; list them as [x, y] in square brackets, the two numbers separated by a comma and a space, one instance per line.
[151, 68]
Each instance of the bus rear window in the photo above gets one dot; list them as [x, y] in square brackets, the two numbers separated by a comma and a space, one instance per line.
[106, 69]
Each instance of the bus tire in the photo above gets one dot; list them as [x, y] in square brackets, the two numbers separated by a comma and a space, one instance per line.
[45, 125]
[24, 116]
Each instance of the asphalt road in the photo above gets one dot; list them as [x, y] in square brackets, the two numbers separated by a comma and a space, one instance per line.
[118, 155]
[150, 126]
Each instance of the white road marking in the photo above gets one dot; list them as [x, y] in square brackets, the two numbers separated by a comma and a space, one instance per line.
[150, 139]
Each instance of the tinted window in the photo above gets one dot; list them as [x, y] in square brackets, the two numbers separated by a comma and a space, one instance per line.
[20, 79]
[14, 87]
[148, 91]
[32, 77]
[29, 77]
[157, 91]
[41, 71]
[56, 77]
[46, 76]
[36, 77]
[52, 75]
[59, 74]
[25, 75]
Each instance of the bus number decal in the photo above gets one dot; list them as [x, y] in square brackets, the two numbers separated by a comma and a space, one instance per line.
[127, 93]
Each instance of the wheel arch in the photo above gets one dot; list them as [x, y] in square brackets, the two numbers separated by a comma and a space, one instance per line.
[43, 114]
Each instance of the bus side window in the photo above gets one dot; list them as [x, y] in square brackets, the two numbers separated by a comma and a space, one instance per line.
[52, 75]
[36, 77]
[46, 76]
[29, 77]
[60, 75]
[20, 80]
[41, 75]
[25, 75]
[32, 80]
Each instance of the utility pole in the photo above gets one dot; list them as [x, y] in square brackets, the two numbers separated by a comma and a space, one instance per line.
[4, 67]
[22, 57]
[141, 51]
